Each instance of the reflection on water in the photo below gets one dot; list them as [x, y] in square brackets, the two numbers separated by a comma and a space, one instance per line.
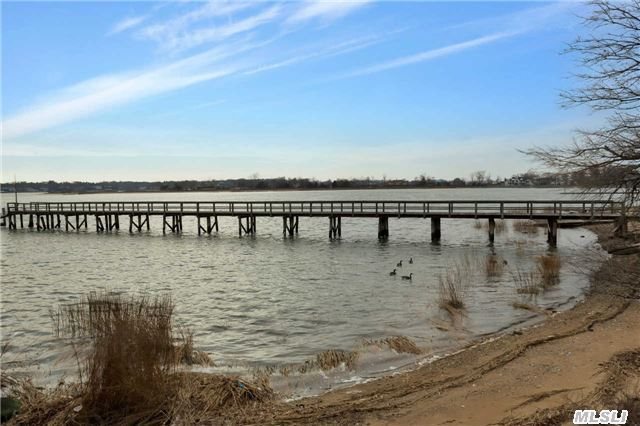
[270, 300]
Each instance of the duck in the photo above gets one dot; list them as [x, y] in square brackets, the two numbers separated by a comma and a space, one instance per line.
[408, 277]
[411, 260]
[399, 265]
[392, 273]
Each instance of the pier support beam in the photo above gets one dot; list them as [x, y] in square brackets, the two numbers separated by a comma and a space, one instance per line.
[552, 232]
[289, 225]
[436, 233]
[30, 221]
[248, 227]
[209, 226]
[383, 227]
[492, 230]
[139, 223]
[335, 227]
[68, 224]
[175, 225]
[99, 224]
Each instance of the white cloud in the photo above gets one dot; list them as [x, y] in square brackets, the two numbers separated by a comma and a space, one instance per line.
[324, 9]
[104, 92]
[430, 54]
[177, 34]
[126, 24]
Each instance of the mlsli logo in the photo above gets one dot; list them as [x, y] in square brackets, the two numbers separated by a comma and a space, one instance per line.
[605, 417]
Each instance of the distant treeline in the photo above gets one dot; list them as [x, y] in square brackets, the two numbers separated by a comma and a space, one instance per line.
[282, 183]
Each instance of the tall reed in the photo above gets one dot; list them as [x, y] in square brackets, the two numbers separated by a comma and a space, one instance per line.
[548, 267]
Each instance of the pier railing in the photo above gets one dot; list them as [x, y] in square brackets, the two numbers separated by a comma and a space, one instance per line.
[466, 208]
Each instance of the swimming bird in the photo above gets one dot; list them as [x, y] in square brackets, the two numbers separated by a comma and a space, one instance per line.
[411, 260]
[407, 277]
[399, 265]
[392, 273]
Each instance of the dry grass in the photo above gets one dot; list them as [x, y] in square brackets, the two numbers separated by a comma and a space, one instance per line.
[494, 265]
[130, 375]
[548, 269]
[501, 226]
[526, 282]
[400, 344]
[333, 358]
[525, 227]
[452, 285]
[187, 354]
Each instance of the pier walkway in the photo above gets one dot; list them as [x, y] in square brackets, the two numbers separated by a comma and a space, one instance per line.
[106, 215]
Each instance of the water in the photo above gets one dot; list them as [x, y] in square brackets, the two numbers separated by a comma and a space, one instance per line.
[268, 300]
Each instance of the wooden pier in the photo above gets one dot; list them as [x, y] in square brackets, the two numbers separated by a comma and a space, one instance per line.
[75, 215]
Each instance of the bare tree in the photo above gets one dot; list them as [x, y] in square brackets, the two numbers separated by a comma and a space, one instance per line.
[606, 159]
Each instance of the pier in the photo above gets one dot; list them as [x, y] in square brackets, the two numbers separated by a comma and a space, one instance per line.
[73, 216]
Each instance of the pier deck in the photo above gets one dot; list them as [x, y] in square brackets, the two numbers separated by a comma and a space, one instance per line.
[47, 215]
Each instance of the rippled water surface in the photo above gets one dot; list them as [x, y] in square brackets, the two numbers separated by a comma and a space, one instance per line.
[269, 300]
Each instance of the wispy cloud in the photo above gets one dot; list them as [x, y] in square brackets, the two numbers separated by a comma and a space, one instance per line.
[108, 91]
[127, 24]
[430, 54]
[178, 34]
[324, 9]
[321, 53]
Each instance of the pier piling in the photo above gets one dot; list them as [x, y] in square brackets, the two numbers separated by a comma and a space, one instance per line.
[435, 229]
[383, 227]
[492, 230]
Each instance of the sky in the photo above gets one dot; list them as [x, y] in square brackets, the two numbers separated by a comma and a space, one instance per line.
[95, 91]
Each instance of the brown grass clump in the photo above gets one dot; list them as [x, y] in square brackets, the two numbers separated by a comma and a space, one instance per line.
[130, 374]
[214, 394]
[548, 269]
[334, 357]
[400, 344]
[132, 355]
[494, 265]
[526, 282]
[525, 227]
[187, 354]
[452, 285]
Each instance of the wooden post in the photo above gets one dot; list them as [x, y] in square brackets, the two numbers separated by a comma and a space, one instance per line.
[77, 222]
[21, 223]
[492, 229]
[117, 216]
[30, 221]
[208, 224]
[383, 227]
[335, 227]
[130, 223]
[435, 229]
[552, 232]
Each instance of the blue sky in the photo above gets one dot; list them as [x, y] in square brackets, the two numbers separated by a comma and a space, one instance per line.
[208, 90]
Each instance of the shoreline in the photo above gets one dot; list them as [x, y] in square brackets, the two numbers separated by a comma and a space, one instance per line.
[394, 188]
[460, 387]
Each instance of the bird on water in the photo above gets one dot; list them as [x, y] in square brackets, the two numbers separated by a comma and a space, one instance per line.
[408, 277]
[392, 273]
[411, 260]
[399, 265]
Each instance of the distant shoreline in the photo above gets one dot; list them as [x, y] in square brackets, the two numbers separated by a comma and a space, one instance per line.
[285, 190]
